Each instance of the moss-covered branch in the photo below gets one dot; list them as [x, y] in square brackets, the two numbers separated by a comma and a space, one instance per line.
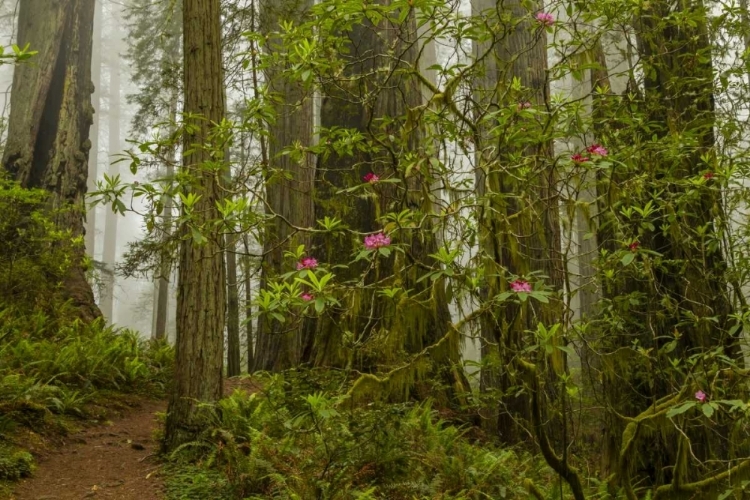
[560, 466]
[740, 469]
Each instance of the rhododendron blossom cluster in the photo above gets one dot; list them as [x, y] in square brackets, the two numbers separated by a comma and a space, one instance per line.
[545, 18]
[371, 178]
[375, 241]
[597, 149]
[307, 263]
[579, 158]
[520, 286]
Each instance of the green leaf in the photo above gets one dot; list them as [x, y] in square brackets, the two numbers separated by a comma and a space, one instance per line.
[567, 350]
[679, 410]
[541, 297]
[627, 259]
[319, 305]
[708, 410]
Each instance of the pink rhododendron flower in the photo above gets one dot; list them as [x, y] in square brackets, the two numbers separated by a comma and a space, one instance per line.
[701, 396]
[306, 297]
[520, 286]
[371, 178]
[597, 149]
[709, 175]
[634, 246]
[307, 263]
[545, 18]
[375, 241]
[579, 158]
[524, 105]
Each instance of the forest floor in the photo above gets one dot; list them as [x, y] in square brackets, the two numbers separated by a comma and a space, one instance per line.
[117, 460]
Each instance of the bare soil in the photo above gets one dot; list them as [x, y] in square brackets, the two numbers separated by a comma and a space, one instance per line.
[115, 461]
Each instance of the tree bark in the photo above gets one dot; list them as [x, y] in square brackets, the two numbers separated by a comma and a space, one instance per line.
[518, 221]
[289, 187]
[96, 70]
[51, 113]
[380, 97]
[687, 275]
[201, 278]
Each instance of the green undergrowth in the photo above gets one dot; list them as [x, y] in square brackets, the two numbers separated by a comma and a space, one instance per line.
[56, 371]
[293, 440]
[50, 386]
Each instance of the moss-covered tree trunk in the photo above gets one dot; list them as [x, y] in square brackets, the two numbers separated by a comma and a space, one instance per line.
[518, 218]
[201, 277]
[675, 300]
[372, 332]
[48, 128]
[289, 184]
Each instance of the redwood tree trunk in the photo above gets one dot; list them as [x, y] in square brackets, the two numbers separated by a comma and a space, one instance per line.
[51, 113]
[96, 70]
[201, 277]
[289, 193]
[518, 221]
[381, 105]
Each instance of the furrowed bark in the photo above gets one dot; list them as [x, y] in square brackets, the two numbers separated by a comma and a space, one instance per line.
[201, 296]
[51, 113]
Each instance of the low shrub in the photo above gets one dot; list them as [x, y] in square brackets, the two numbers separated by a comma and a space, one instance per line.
[287, 443]
[15, 464]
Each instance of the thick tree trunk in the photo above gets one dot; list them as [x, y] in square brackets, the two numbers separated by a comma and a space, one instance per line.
[96, 70]
[377, 99]
[109, 255]
[288, 192]
[687, 275]
[201, 277]
[519, 228]
[48, 129]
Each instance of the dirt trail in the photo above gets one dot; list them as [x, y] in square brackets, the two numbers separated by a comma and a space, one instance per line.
[109, 461]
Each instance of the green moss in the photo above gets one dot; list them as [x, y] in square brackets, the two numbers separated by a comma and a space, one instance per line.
[15, 464]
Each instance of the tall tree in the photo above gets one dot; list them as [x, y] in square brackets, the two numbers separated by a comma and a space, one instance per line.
[289, 186]
[377, 99]
[201, 295]
[518, 218]
[675, 300]
[48, 132]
